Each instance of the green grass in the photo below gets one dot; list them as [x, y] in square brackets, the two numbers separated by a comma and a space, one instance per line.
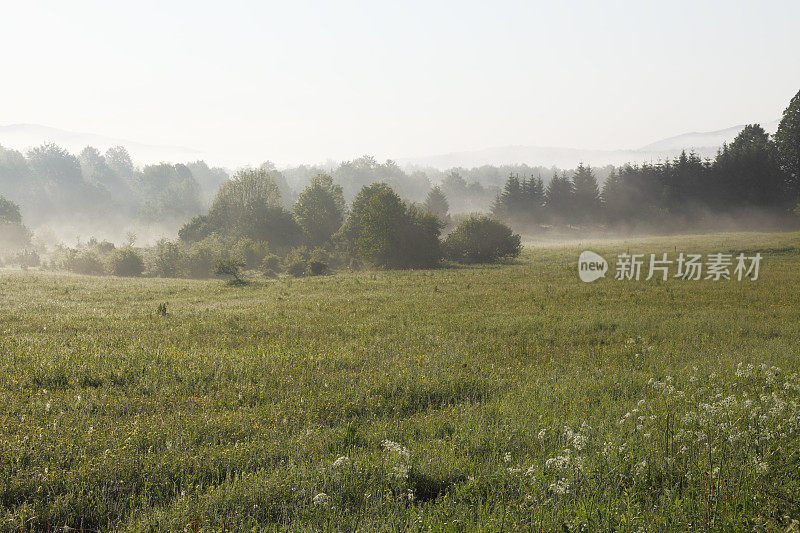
[518, 398]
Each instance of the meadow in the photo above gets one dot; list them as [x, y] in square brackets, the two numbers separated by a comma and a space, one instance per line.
[490, 398]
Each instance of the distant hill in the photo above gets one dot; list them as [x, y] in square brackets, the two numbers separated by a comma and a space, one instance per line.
[705, 144]
[712, 139]
[24, 136]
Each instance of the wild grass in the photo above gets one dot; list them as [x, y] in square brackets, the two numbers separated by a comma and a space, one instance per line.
[490, 398]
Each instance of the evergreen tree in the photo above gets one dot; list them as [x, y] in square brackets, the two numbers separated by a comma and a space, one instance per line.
[559, 196]
[748, 172]
[436, 203]
[586, 194]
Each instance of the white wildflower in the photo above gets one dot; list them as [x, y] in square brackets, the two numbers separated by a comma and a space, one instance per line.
[395, 448]
[560, 487]
[341, 461]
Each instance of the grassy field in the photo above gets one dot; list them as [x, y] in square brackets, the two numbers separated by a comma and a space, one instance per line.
[487, 398]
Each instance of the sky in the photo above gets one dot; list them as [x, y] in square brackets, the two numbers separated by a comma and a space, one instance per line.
[305, 81]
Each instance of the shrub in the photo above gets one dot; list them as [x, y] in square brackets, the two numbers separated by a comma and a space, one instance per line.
[126, 262]
[202, 256]
[271, 262]
[318, 262]
[250, 251]
[27, 258]
[297, 262]
[14, 236]
[229, 268]
[166, 259]
[481, 240]
[86, 262]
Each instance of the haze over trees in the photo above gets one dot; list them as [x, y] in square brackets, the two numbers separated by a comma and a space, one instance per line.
[753, 178]
[308, 219]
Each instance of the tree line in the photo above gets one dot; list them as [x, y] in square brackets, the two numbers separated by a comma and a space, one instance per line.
[357, 215]
[756, 174]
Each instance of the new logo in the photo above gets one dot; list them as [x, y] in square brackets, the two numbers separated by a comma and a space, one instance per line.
[591, 266]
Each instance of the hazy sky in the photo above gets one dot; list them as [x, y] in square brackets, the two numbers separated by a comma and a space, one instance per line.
[297, 81]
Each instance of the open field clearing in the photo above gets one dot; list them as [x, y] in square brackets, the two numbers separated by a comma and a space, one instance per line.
[495, 397]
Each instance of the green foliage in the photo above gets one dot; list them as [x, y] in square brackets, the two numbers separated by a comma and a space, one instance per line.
[296, 262]
[436, 204]
[202, 257]
[167, 192]
[166, 259]
[86, 262]
[271, 224]
[481, 240]
[272, 263]
[559, 198]
[318, 263]
[586, 199]
[381, 230]
[521, 202]
[197, 229]
[126, 262]
[229, 268]
[320, 210]
[26, 259]
[787, 140]
[251, 252]
[13, 235]
[237, 198]
[248, 206]
[9, 212]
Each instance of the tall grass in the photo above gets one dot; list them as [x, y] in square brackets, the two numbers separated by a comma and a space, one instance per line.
[495, 398]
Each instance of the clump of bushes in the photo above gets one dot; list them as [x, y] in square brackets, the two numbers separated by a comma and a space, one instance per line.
[26, 259]
[271, 265]
[384, 232]
[126, 262]
[302, 262]
[297, 262]
[318, 263]
[481, 240]
[87, 262]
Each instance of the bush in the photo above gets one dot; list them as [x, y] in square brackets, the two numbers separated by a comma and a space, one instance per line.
[166, 260]
[297, 262]
[86, 262]
[271, 262]
[196, 229]
[229, 268]
[250, 251]
[27, 258]
[481, 240]
[318, 262]
[126, 262]
[203, 255]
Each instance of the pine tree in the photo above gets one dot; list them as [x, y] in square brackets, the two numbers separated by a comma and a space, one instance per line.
[436, 203]
[559, 197]
[587, 194]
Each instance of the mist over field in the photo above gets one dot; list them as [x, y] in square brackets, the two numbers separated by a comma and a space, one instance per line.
[414, 266]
